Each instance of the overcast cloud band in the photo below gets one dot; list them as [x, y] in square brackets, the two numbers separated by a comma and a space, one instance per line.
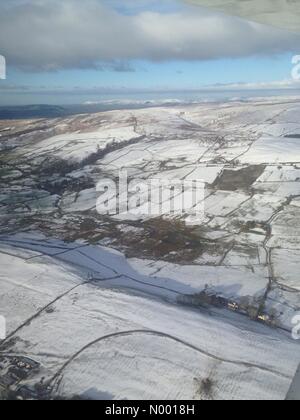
[54, 35]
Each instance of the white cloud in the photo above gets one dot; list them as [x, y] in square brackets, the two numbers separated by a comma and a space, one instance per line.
[274, 85]
[52, 34]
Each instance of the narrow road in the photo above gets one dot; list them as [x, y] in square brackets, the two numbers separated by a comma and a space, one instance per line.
[164, 335]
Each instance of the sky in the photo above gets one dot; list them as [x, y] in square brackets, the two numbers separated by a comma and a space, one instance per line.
[78, 51]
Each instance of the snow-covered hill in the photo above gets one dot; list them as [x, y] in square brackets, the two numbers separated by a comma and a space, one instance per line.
[128, 303]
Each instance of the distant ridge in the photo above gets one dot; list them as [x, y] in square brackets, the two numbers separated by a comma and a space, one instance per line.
[31, 111]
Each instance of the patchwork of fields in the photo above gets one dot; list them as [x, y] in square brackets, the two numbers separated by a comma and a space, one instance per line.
[143, 307]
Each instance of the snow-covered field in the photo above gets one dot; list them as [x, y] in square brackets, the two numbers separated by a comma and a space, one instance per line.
[107, 340]
[142, 307]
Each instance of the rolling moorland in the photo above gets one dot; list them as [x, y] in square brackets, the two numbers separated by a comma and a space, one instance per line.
[124, 306]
